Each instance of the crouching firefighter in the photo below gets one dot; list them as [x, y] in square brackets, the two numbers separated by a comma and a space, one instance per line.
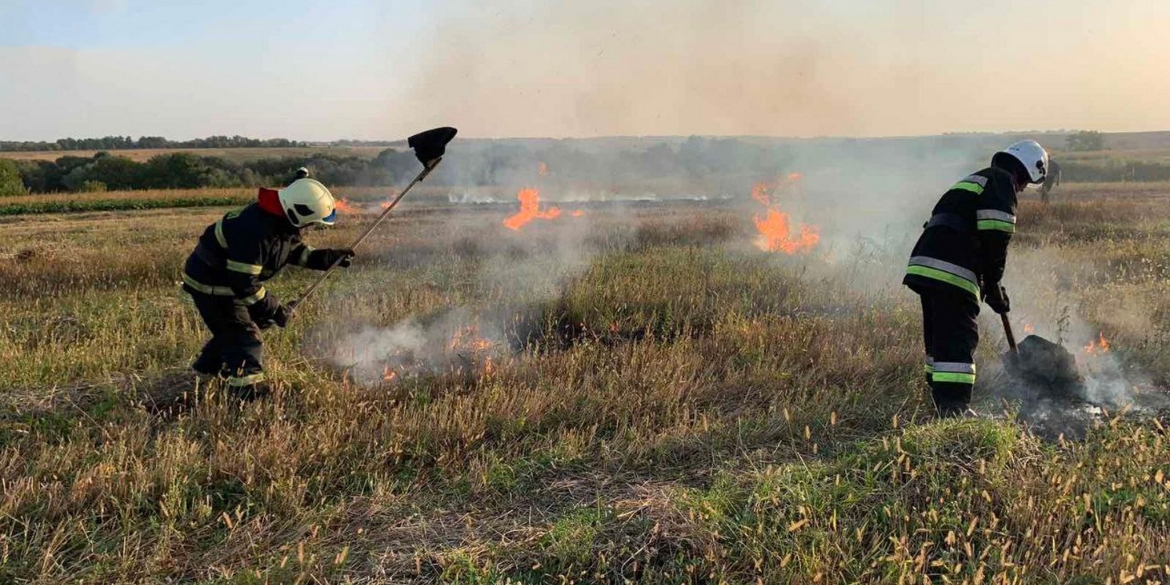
[234, 257]
[959, 259]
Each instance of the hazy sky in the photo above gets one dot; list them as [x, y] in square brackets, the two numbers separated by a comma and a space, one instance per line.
[317, 70]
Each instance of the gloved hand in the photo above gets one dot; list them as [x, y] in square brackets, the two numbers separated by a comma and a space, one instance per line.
[280, 317]
[342, 256]
[262, 312]
[996, 297]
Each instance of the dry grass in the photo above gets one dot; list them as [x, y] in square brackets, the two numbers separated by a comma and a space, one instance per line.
[682, 409]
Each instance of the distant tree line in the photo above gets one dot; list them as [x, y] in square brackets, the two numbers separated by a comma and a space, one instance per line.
[184, 170]
[145, 142]
[1114, 171]
[478, 164]
[664, 167]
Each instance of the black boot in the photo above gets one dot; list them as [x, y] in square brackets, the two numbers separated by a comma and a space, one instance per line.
[205, 366]
[952, 400]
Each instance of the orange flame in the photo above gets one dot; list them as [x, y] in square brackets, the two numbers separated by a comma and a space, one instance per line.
[775, 232]
[468, 338]
[775, 235]
[1029, 329]
[389, 375]
[530, 210]
[1098, 347]
[343, 205]
[762, 192]
[578, 213]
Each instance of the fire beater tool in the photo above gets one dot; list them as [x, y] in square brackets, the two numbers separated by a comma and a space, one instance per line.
[429, 148]
[1043, 364]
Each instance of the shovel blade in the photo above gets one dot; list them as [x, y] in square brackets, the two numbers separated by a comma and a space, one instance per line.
[1047, 366]
[432, 144]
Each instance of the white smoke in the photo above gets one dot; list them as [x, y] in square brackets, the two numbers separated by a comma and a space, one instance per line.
[453, 341]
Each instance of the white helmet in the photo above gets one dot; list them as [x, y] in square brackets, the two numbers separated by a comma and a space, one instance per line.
[1032, 156]
[307, 201]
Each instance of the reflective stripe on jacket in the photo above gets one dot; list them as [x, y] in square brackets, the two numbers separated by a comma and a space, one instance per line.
[964, 243]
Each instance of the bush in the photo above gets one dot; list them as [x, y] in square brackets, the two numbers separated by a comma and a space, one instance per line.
[93, 187]
[11, 184]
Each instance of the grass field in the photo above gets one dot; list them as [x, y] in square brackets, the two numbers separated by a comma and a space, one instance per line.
[647, 399]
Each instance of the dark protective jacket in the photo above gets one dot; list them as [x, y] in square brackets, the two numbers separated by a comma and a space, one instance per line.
[964, 245]
[245, 248]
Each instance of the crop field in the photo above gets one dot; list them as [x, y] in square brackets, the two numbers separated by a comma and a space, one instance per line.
[616, 394]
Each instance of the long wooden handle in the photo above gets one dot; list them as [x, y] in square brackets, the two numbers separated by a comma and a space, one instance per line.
[385, 213]
[1007, 329]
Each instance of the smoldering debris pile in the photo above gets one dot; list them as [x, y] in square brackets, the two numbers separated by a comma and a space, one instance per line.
[1057, 398]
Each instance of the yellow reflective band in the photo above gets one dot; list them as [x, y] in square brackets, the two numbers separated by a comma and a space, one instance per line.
[967, 186]
[996, 225]
[947, 277]
[253, 299]
[219, 291]
[253, 269]
[954, 377]
[238, 381]
[219, 237]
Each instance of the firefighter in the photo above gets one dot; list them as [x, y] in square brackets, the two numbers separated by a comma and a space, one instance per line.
[1051, 180]
[959, 259]
[234, 257]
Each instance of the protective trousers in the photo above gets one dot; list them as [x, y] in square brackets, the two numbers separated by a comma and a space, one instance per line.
[235, 349]
[950, 333]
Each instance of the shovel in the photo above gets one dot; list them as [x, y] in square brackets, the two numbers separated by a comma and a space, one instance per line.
[429, 147]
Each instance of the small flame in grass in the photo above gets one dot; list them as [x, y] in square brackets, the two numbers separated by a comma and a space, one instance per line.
[467, 338]
[1100, 346]
[578, 213]
[1029, 329]
[466, 350]
[343, 205]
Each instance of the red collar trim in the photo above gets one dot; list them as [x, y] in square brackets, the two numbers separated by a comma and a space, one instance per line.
[269, 200]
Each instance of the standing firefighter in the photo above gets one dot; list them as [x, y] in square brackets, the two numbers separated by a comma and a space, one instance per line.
[226, 272]
[1051, 180]
[959, 259]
